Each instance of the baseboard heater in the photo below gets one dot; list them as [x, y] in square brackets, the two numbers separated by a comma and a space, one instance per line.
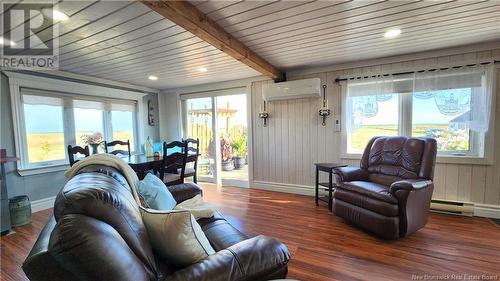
[452, 207]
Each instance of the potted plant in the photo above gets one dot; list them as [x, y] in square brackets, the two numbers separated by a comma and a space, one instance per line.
[239, 146]
[94, 140]
[227, 160]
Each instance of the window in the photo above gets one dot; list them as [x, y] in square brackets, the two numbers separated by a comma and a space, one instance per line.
[89, 122]
[444, 115]
[372, 116]
[54, 121]
[123, 127]
[43, 118]
[452, 105]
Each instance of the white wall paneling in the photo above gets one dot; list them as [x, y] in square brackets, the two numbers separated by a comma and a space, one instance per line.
[294, 140]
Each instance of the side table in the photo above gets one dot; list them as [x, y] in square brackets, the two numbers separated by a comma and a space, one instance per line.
[328, 186]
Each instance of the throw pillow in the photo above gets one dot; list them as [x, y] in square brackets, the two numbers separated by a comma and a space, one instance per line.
[155, 193]
[176, 237]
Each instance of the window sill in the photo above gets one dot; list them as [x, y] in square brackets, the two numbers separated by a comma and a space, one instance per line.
[42, 170]
[469, 160]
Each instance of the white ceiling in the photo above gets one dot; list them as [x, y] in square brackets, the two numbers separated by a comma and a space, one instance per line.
[125, 41]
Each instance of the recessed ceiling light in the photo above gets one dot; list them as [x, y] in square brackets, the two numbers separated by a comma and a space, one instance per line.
[152, 77]
[4, 42]
[55, 14]
[392, 33]
[202, 69]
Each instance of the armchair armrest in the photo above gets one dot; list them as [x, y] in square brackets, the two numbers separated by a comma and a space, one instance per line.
[253, 259]
[184, 191]
[409, 185]
[351, 174]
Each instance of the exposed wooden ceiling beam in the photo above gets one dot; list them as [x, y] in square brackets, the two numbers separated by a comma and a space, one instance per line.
[190, 18]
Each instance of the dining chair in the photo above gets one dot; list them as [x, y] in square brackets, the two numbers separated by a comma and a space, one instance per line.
[73, 150]
[193, 150]
[173, 161]
[117, 151]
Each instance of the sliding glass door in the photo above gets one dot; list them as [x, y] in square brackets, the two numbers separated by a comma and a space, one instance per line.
[219, 121]
[199, 125]
[232, 134]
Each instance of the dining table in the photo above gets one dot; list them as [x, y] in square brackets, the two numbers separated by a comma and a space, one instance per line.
[142, 164]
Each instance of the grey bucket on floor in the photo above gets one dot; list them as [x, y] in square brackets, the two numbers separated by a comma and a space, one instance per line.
[20, 210]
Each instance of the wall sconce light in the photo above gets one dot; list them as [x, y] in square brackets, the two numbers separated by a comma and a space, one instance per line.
[264, 115]
[324, 111]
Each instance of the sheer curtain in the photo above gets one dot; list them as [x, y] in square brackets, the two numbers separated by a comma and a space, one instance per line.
[475, 108]
[364, 94]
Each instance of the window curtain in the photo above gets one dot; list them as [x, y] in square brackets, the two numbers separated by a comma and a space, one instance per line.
[475, 108]
[88, 104]
[365, 93]
[122, 106]
[41, 100]
[37, 97]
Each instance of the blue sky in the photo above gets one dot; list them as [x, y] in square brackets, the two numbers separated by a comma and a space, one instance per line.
[49, 119]
[238, 102]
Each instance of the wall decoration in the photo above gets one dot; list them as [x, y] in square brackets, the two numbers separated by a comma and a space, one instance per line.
[324, 111]
[151, 113]
[263, 114]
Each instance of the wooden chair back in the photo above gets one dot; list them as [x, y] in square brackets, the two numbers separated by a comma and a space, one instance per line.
[73, 150]
[193, 146]
[174, 161]
[193, 151]
[118, 151]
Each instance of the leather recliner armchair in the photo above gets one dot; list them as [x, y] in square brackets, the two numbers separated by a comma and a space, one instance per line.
[390, 193]
[97, 233]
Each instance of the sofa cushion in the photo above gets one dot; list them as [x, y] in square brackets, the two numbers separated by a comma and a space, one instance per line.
[92, 249]
[396, 156]
[176, 237]
[375, 205]
[383, 226]
[105, 199]
[370, 189]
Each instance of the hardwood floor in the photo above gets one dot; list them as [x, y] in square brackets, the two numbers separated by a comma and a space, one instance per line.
[323, 246]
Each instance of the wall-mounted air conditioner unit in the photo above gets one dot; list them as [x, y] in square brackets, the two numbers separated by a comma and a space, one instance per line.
[297, 89]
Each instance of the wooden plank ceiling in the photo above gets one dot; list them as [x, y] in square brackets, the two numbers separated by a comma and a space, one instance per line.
[126, 41]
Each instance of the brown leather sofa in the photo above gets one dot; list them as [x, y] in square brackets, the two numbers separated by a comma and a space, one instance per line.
[390, 193]
[97, 233]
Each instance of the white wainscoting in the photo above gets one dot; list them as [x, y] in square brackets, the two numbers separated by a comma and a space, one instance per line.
[285, 151]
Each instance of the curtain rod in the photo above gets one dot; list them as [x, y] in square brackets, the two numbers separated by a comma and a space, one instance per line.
[410, 72]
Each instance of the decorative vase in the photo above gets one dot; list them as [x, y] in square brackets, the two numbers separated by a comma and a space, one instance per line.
[239, 162]
[227, 165]
[95, 148]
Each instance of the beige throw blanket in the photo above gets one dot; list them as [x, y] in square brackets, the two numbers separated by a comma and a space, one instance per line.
[109, 160]
[197, 207]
